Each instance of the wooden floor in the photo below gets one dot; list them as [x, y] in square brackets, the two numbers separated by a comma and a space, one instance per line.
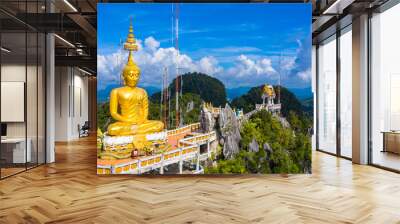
[70, 192]
[5, 172]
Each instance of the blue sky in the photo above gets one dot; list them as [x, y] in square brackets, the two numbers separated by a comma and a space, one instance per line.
[240, 44]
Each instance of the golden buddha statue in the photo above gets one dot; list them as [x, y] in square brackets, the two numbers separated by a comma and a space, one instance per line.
[269, 90]
[129, 104]
[268, 93]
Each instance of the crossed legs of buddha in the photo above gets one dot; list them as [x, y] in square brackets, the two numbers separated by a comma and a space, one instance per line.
[122, 128]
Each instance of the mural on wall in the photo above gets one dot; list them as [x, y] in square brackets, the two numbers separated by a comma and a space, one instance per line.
[204, 89]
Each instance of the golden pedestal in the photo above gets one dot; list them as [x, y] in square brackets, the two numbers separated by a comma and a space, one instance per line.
[121, 147]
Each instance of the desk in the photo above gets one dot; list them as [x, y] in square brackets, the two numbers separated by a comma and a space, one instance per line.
[18, 150]
[391, 141]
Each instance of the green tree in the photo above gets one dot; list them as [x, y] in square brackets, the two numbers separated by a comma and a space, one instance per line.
[290, 150]
[208, 88]
[103, 116]
[189, 114]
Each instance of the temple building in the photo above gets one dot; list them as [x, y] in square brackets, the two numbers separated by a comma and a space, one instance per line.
[268, 97]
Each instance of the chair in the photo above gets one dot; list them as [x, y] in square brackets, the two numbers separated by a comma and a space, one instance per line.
[84, 130]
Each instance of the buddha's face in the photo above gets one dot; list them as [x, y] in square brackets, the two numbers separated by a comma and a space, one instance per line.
[131, 78]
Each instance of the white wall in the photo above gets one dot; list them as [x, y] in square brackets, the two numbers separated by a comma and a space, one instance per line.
[62, 82]
[71, 102]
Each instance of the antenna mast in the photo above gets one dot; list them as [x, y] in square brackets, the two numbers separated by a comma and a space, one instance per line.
[280, 73]
[119, 60]
[164, 98]
[177, 86]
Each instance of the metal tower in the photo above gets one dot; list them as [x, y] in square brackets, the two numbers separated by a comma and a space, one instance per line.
[164, 99]
[177, 84]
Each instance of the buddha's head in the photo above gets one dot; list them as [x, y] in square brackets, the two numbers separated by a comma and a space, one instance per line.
[131, 73]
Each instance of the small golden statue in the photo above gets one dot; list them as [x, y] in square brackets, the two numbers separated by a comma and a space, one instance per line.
[268, 93]
[129, 104]
[269, 90]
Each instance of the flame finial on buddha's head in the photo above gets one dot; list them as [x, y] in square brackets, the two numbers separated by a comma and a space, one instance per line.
[131, 71]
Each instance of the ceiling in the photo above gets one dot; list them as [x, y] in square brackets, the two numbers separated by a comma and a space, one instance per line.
[73, 21]
[331, 15]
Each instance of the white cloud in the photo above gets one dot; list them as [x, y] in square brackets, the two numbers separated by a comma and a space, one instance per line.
[288, 63]
[299, 43]
[297, 70]
[151, 43]
[152, 59]
[109, 67]
[248, 67]
[244, 70]
[305, 75]
[209, 65]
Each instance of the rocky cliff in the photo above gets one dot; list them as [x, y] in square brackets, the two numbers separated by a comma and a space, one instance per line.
[230, 131]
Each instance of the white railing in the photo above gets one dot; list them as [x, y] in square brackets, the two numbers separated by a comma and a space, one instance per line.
[148, 163]
[184, 129]
[189, 149]
[211, 136]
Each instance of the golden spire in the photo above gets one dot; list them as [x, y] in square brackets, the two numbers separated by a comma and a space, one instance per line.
[131, 45]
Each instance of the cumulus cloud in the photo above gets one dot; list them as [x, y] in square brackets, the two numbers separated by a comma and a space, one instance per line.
[242, 70]
[305, 75]
[247, 71]
[288, 63]
[209, 65]
[248, 67]
[299, 72]
[152, 43]
[109, 67]
[152, 59]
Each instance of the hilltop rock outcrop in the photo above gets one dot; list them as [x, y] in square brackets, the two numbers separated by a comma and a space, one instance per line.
[230, 131]
[207, 120]
[253, 146]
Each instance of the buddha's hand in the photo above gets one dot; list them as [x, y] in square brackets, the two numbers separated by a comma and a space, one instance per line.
[132, 121]
[136, 121]
[140, 121]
